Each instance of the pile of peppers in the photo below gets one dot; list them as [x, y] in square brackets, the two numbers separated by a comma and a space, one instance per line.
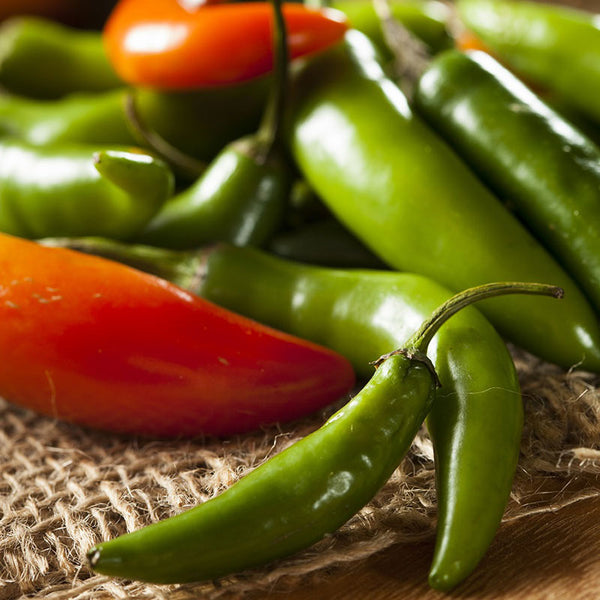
[216, 216]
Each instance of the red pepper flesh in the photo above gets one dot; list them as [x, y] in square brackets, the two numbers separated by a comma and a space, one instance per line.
[94, 342]
[158, 43]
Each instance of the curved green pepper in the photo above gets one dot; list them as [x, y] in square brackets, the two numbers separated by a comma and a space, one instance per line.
[548, 171]
[554, 46]
[43, 59]
[477, 417]
[397, 186]
[302, 493]
[199, 123]
[292, 500]
[476, 420]
[427, 19]
[79, 190]
[237, 199]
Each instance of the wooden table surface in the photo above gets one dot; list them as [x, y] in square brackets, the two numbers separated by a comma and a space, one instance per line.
[541, 557]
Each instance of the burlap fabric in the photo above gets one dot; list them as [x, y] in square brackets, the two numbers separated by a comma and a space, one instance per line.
[64, 488]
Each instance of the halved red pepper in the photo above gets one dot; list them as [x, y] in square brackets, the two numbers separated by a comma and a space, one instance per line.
[93, 342]
[160, 43]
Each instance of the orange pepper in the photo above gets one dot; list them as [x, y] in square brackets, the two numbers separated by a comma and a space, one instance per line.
[158, 43]
[97, 343]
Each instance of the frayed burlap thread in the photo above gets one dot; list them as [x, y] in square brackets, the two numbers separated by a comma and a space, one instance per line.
[63, 488]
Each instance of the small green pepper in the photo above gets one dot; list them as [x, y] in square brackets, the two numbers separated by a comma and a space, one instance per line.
[43, 59]
[555, 47]
[401, 190]
[548, 171]
[308, 490]
[79, 190]
[242, 196]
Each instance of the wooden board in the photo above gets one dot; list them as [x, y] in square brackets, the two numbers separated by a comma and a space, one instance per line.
[542, 557]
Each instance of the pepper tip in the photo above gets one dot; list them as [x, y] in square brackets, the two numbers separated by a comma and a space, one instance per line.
[93, 556]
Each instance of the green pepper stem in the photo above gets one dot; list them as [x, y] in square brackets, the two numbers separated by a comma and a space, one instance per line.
[187, 166]
[411, 55]
[183, 268]
[421, 338]
[269, 132]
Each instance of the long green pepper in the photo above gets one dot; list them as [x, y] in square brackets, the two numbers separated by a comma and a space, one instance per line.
[309, 489]
[399, 188]
[555, 47]
[477, 417]
[548, 172]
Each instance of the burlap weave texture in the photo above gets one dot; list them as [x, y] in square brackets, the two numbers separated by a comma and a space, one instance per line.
[64, 488]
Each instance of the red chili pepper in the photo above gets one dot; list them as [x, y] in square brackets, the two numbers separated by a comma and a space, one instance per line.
[159, 43]
[94, 342]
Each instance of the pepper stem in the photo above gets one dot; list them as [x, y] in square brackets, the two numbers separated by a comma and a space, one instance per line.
[269, 132]
[411, 55]
[421, 338]
[187, 166]
[184, 268]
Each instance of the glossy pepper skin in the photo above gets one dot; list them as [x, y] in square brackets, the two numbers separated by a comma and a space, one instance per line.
[235, 200]
[160, 44]
[43, 59]
[397, 186]
[99, 344]
[79, 190]
[477, 417]
[95, 118]
[555, 47]
[546, 169]
[199, 123]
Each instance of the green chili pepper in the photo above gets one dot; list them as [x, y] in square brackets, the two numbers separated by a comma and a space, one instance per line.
[95, 118]
[477, 417]
[241, 197]
[553, 46]
[400, 189]
[427, 19]
[199, 123]
[306, 491]
[547, 170]
[44, 59]
[79, 190]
